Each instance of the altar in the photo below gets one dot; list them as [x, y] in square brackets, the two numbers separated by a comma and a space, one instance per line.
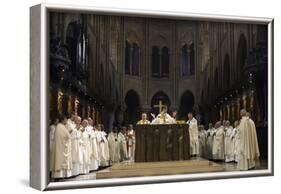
[166, 142]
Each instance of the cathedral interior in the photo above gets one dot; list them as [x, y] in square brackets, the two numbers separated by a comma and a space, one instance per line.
[113, 68]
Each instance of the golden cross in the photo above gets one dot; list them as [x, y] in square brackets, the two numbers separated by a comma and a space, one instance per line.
[160, 106]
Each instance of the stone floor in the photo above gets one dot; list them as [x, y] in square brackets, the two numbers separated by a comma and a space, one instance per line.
[117, 170]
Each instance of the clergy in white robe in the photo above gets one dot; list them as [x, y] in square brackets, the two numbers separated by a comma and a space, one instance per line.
[193, 135]
[75, 145]
[249, 149]
[202, 142]
[51, 144]
[71, 121]
[102, 146]
[163, 118]
[229, 142]
[131, 143]
[84, 147]
[210, 138]
[123, 144]
[114, 146]
[143, 120]
[218, 143]
[236, 139]
[62, 165]
[94, 146]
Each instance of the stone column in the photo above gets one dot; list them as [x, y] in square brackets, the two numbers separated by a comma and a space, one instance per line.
[232, 111]
[120, 114]
[108, 116]
[238, 108]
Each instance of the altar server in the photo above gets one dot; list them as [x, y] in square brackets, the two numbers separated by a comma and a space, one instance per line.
[123, 143]
[131, 140]
[202, 142]
[229, 142]
[218, 144]
[210, 140]
[114, 146]
[85, 151]
[94, 146]
[75, 146]
[193, 135]
[51, 142]
[236, 139]
[102, 146]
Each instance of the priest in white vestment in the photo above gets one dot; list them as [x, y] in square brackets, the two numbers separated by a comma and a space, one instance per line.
[236, 139]
[163, 118]
[62, 165]
[210, 139]
[102, 146]
[229, 142]
[85, 150]
[94, 146]
[51, 144]
[193, 135]
[114, 146]
[218, 144]
[75, 145]
[71, 121]
[71, 127]
[144, 120]
[131, 143]
[202, 142]
[123, 144]
[249, 149]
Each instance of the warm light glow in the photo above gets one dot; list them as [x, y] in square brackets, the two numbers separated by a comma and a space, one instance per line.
[69, 104]
[76, 104]
[59, 98]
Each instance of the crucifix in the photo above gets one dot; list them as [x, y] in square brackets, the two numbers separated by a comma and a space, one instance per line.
[160, 106]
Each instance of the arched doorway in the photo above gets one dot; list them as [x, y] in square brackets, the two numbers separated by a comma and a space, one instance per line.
[132, 112]
[241, 54]
[159, 96]
[186, 104]
[226, 73]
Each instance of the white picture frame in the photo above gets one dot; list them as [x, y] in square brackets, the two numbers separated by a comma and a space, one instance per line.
[39, 101]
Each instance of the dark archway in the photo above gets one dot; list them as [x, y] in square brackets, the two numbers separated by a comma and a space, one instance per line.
[226, 73]
[159, 96]
[132, 112]
[241, 54]
[186, 104]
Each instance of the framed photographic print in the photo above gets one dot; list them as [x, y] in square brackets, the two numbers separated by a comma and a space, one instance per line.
[122, 97]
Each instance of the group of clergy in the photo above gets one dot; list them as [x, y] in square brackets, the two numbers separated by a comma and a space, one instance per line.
[239, 144]
[79, 147]
[220, 142]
